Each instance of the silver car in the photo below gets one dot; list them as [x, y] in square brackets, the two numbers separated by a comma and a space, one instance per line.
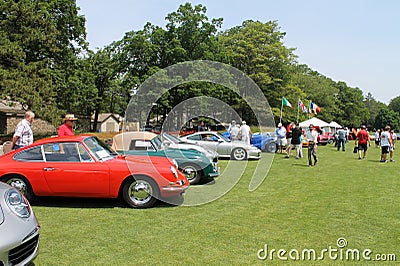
[175, 142]
[19, 228]
[226, 148]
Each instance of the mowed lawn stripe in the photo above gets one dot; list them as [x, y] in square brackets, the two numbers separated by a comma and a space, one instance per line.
[296, 207]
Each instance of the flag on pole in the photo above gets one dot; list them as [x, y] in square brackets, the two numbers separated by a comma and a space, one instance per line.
[285, 102]
[315, 108]
[303, 107]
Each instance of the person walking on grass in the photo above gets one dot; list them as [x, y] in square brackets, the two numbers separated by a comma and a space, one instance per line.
[341, 139]
[393, 138]
[289, 138]
[386, 143]
[312, 139]
[281, 137]
[363, 140]
[377, 137]
[295, 141]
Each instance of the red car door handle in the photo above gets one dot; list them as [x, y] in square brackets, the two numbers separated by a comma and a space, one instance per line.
[49, 169]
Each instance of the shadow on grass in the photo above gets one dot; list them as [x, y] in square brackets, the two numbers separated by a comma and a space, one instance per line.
[301, 164]
[88, 203]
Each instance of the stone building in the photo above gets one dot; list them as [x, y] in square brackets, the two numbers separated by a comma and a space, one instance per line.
[10, 115]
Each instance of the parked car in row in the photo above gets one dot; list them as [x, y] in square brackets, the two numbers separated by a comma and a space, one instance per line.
[192, 162]
[175, 142]
[19, 228]
[264, 141]
[323, 139]
[84, 166]
[225, 148]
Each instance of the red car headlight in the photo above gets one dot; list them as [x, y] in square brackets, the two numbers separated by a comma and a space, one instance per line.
[174, 171]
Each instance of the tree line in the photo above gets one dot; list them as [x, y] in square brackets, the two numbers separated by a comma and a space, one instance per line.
[46, 66]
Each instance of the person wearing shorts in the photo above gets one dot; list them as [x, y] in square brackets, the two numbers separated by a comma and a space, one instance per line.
[363, 140]
[386, 143]
[295, 141]
[281, 137]
[377, 137]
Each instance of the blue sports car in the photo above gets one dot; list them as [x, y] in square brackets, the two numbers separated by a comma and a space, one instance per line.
[265, 142]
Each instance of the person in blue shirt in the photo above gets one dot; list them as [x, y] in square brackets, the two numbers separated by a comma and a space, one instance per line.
[281, 137]
[341, 139]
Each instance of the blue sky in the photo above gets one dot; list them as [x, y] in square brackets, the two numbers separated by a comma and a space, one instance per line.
[355, 41]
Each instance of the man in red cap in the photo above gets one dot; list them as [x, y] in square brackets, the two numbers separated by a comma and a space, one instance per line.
[66, 129]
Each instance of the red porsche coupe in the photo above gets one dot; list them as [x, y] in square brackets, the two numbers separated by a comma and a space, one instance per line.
[84, 166]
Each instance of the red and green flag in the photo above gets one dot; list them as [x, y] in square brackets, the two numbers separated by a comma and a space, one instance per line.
[285, 102]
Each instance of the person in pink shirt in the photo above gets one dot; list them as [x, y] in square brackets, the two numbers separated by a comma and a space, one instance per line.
[66, 129]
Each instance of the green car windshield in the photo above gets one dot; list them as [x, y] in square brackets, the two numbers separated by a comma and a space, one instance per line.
[157, 142]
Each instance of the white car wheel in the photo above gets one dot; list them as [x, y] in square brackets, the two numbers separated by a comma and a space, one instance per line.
[239, 154]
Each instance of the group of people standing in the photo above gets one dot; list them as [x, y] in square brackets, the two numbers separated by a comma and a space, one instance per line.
[23, 135]
[242, 132]
[292, 137]
[386, 140]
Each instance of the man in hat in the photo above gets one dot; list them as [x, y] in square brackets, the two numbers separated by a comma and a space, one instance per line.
[281, 137]
[233, 131]
[312, 139]
[245, 132]
[66, 129]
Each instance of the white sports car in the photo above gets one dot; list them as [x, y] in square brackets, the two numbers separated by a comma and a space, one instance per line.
[19, 228]
[226, 148]
[176, 143]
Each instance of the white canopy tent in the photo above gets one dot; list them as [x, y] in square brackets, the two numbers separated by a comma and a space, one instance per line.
[314, 121]
[333, 126]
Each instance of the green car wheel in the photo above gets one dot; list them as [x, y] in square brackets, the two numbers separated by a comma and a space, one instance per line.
[191, 172]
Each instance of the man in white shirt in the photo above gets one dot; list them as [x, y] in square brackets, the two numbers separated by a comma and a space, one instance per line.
[233, 130]
[312, 139]
[386, 143]
[281, 136]
[245, 132]
[23, 135]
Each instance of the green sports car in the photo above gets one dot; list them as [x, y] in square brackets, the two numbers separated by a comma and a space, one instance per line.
[193, 163]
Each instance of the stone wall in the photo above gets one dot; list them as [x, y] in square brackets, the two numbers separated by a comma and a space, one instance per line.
[39, 126]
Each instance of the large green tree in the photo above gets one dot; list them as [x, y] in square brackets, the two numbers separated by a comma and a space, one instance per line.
[374, 107]
[191, 29]
[395, 104]
[257, 49]
[189, 35]
[313, 86]
[38, 41]
[351, 103]
[387, 117]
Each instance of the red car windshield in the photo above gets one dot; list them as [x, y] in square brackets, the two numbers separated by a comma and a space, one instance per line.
[99, 149]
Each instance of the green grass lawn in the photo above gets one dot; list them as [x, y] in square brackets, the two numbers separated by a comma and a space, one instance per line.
[297, 207]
